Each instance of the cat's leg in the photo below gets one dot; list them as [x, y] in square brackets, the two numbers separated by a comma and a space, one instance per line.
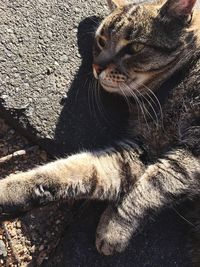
[99, 175]
[170, 180]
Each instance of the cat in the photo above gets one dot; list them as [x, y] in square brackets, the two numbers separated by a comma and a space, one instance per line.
[148, 52]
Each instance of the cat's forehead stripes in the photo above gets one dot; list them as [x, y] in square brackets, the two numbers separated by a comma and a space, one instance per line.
[126, 18]
[121, 19]
[125, 23]
[122, 27]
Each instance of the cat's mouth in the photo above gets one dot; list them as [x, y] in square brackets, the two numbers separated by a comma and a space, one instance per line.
[124, 85]
[115, 81]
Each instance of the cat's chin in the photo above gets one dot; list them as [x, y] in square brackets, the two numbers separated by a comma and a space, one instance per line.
[110, 88]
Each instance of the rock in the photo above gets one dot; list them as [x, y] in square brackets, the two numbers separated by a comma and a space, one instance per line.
[3, 250]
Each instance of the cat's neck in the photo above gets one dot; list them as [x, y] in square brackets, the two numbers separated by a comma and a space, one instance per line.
[185, 73]
[172, 82]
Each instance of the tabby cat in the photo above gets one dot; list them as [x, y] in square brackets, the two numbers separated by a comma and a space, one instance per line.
[148, 52]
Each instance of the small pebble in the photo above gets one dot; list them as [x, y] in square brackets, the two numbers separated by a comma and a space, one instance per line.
[3, 250]
[19, 231]
[18, 224]
[64, 58]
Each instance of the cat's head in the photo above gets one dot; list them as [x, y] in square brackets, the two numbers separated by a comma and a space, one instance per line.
[139, 46]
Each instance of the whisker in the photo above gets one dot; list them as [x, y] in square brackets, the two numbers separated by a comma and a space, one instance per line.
[95, 22]
[151, 106]
[78, 90]
[97, 103]
[130, 105]
[154, 100]
[94, 102]
[90, 97]
[98, 107]
[182, 217]
[88, 32]
[157, 101]
[126, 98]
[141, 105]
[102, 110]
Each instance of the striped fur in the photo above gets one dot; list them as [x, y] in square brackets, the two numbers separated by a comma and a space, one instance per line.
[139, 178]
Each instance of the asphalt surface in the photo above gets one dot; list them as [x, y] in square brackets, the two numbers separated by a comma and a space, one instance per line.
[47, 93]
[161, 244]
[45, 74]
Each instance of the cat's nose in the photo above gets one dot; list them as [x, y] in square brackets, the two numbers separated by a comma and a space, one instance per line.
[97, 70]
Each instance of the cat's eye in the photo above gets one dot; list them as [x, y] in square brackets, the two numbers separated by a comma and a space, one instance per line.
[137, 47]
[133, 48]
[101, 41]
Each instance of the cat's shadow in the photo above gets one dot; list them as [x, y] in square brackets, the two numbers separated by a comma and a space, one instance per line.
[90, 118]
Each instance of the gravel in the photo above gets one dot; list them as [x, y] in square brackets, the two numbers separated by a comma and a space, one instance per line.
[31, 238]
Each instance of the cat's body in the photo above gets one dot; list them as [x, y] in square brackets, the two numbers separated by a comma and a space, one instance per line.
[158, 163]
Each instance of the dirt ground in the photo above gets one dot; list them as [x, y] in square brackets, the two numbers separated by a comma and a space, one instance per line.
[27, 241]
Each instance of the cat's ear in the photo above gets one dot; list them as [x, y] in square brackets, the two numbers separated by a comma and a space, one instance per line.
[178, 8]
[116, 3]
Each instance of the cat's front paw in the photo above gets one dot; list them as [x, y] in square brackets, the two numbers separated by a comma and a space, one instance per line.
[112, 238]
[13, 197]
[9, 208]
